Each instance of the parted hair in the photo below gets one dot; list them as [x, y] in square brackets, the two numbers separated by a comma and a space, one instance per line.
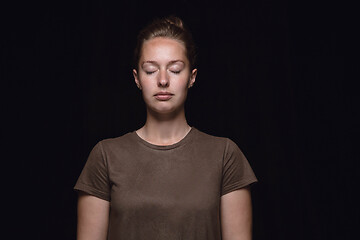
[168, 27]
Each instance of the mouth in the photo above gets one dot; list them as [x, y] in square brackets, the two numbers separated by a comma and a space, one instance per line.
[163, 96]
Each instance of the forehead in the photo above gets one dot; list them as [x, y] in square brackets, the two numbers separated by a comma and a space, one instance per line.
[161, 48]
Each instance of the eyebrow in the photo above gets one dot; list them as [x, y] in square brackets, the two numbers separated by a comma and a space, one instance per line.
[170, 63]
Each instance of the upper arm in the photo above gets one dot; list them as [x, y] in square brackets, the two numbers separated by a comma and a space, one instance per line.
[236, 215]
[93, 218]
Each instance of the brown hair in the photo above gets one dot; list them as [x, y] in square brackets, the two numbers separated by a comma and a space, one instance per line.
[169, 27]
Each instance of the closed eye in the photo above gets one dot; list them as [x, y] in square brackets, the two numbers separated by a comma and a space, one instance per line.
[176, 72]
[149, 72]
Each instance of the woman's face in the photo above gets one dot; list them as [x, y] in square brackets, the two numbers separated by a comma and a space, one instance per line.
[164, 74]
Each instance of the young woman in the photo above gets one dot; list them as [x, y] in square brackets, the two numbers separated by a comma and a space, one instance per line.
[166, 180]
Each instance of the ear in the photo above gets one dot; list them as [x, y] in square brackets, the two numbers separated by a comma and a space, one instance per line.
[136, 78]
[192, 78]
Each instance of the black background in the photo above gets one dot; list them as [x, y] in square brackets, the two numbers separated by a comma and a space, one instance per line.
[274, 76]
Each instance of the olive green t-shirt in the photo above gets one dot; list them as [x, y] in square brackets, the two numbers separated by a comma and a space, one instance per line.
[165, 192]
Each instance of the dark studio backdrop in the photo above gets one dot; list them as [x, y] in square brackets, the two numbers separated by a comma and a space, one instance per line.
[273, 77]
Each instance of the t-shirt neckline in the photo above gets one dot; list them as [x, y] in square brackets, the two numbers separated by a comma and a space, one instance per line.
[183, 141]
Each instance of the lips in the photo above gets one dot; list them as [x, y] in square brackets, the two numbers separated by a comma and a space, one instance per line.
[163, 96]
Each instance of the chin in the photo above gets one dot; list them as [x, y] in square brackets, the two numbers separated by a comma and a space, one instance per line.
[165, 109]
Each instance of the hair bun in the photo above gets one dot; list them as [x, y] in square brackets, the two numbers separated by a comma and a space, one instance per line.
[175, 21]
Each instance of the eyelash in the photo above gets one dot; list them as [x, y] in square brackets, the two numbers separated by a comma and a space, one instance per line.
[175, 72]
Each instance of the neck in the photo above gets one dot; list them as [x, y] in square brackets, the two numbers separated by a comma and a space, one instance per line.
[164, 129]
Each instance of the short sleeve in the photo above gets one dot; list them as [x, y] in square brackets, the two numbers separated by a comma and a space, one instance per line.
[94, 178]
[237, 172]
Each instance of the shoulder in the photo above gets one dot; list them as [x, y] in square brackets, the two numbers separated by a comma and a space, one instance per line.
[216, 141]
[124, 141]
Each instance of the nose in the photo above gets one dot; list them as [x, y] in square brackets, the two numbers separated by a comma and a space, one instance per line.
[163, 80]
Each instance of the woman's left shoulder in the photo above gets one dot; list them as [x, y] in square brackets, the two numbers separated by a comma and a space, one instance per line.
[212, 140]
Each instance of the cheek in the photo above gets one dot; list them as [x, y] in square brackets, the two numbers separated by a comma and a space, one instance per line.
[183, 78]
[145, 81]
[185, 82]
[182, 88]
